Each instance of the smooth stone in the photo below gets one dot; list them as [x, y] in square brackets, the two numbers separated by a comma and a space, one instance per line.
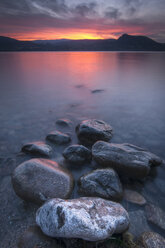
[91, 219]
[151, 240]
[155, 215]
[126, 159]
[38, 180]
[77, 154]
[38, 148]
[138, 223]
[103, 183]
[58, 138]
[33, 237]
[97, 91]
[134, 197]
[90, 131]
[63, 122]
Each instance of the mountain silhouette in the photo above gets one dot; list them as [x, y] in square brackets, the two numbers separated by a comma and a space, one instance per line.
[124, 43]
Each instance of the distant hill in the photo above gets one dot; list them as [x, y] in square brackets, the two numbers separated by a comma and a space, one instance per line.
[124, 43]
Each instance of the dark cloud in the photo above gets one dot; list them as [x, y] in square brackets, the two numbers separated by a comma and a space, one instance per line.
[85, 9]
[112, 13]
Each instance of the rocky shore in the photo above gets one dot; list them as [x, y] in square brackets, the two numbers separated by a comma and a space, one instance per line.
[97, 218]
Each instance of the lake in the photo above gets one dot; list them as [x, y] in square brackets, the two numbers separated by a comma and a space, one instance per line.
[127, 90]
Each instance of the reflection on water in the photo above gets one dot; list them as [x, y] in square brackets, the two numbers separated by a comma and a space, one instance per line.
[38, 88]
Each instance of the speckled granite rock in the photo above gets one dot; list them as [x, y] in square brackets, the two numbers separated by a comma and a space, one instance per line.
[90, 131]
[151, 240]
[103, 183]
[90, 218]
[37, 148]
[77, 154]
[126, 159]
[38, 180]
[58, 138]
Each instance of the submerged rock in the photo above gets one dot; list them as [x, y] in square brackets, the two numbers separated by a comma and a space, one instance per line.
[63, 122]
[97, 91]
[151, 240]
[38, 180]
[58, 138]
[103, 183]
[77, 154]
[134, 197]
[126, 159]
[138, 223]
[38, 148]
[155, 215]
[90, 131]
[91, 219]
[33, 238]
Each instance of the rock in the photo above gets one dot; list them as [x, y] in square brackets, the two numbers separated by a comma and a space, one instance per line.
[151, 240]
[63, 122]
[77, 154]
[126, 159]
[91, 219]
[33, 237]
[97, 91]
[134, 197]
[103, 183]
[90, 131]
[138, 223]
[155, 215]
[38, 180]
[38, 148]
[58, 138]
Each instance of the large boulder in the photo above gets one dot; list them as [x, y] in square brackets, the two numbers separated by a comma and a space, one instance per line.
[103, 183]
[151, 240]
[90, 131]
[77, 154]
[126, 159]
[38, 180]
[90, 219]
[38, 148]
[58, 138]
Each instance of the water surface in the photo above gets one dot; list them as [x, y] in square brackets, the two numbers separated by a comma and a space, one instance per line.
[124, 89]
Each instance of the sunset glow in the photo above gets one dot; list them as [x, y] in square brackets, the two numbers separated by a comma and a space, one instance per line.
[71, 19]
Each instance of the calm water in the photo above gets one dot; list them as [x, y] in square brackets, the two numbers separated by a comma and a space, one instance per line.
[38, 88]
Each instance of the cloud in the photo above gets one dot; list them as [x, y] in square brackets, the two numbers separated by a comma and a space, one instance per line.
[112, 13]
[19, 17]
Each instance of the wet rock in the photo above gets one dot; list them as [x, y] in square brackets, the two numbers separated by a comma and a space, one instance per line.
[90, 131]
[155, 215]
[77, 154]
[38, 180]
[63, 122]
[34, 238]
[126, 159]
[134, 197]
[103, 183]
[58, 138]
[138, 223]
[151, 240]
[97, 91]
[38, 148]
[91, 219]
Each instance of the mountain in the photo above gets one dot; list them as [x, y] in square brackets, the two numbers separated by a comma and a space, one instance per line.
[124, 43]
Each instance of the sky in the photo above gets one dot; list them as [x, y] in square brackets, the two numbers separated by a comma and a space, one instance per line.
[81, 19]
